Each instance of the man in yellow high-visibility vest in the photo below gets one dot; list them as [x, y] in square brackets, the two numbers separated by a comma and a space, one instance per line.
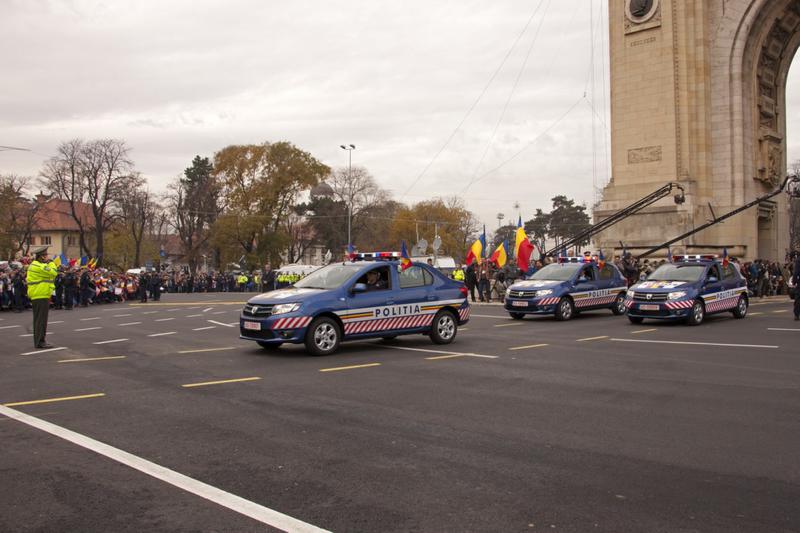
[41, 283]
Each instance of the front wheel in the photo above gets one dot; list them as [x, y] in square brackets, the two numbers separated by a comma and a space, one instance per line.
[323, 336]
[517, 316]
[619, 305]
[697, 314]
[444, 328]
[565, 309]
[741, 308]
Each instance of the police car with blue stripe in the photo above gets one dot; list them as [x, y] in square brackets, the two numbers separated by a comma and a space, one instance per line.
[372, 296]
[689, 288]
[571, 285]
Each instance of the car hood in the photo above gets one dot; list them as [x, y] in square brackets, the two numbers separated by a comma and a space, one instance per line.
[662, 286]
[290, 295]
[536, 284]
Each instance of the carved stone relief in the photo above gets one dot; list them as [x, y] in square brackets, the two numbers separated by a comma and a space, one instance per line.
[642, 15]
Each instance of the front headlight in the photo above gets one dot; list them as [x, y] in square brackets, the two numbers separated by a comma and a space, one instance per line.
[284, 308]
[544, 292]
[631, 295]
[676, 295]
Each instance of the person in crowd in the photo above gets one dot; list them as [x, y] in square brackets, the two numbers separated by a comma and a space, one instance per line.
[471, 279]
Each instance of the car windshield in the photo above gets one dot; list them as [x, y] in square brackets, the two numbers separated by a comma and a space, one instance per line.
[554, 272]
[329, 277]
[672, 272]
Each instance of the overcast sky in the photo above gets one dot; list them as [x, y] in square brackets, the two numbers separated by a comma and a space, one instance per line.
[180, 78]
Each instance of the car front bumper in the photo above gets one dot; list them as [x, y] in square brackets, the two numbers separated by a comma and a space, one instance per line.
[277, 329]
[670, 310]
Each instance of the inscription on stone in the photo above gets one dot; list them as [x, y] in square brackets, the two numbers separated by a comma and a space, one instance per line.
[642, 42]
[645, 154]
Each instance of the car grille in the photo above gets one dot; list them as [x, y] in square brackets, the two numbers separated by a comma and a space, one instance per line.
[521, 294]
[255, 310]
[643, 297]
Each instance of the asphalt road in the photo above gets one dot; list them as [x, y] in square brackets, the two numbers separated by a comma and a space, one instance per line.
[590, 425]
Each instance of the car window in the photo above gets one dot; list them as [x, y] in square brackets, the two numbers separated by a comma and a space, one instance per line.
[556, 272]
[607, 272]
[729, 272]
[414, 277]
[329, 277]
[587, 274]
[376, 279]
[712, 271]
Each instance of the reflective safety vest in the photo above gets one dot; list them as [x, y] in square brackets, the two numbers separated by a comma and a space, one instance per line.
[458, 274]
[41, 278]
[242, 279]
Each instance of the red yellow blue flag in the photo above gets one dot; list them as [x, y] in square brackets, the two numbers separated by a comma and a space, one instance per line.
[405, 259]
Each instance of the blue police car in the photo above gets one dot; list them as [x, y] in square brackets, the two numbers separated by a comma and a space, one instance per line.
[371, 296]
[689, 288]
[573, 284]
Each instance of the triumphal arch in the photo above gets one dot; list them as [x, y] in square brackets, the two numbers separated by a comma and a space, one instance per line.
[698, 97]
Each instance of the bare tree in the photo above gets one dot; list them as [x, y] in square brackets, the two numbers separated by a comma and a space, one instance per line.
[139, 210]
[98, 173]
[18, 215]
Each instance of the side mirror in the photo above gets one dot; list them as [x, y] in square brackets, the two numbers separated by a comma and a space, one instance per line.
[359, 287]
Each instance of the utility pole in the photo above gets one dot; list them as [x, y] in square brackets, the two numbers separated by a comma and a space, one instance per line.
[349, 148]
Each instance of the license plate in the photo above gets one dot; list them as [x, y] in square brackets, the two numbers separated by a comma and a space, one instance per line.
[252, 325]
[649, 307]
[519, 304]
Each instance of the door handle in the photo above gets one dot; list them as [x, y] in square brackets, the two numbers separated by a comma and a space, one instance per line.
[432, 298]
[390, 302]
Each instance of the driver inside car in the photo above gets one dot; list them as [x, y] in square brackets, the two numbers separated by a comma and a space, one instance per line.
[374, 281]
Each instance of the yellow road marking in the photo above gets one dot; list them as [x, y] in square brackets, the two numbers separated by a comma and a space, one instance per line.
[209, 350]
[463, 329]
[781, 311]
[444, 357]
[220, 382]
[528, 346]
[173, 304]
[335, 369]
[643, 330]
[756, 313]
[507, 325]
[92, 359]
[593, 338]
[51, 400]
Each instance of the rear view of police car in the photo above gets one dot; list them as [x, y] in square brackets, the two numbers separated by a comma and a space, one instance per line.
[370, 297]
[573, 284]
[689, 288]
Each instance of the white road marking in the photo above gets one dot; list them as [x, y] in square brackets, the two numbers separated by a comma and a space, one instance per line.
[210, 349]
[7, 327]
[220, 312]
[129, 324]
[700, 343]
[90, 318]
[586, 339]
[192, 316]
[110, 342]
[207, 309]
[45, 351]
[163, 319]
[55, 322]
[207, 327]
[162, 334]
[149, 312]
[223, 324]
[173, 309]
[466, 354]
[235, 503]
[529, 346]
[89, 329]
[489, 316]
[122, 315]
[784, 329]
[509, 324]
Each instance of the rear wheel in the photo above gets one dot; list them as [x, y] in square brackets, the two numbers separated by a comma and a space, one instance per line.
[697, 314]
[323, 336]
[565, 309]
[635, 319]
[741, 308]
[389, 338]
[444, 328]
[517, 316]
[269, 345]
[619, 305]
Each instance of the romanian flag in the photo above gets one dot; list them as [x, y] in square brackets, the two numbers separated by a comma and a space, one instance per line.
[476, 250]
[725, 257]
[84, 261]
[57, 261]
[351, 252]
[405, 260]
[522, 248]
[500, 255]
[92, 262]
[601, 259]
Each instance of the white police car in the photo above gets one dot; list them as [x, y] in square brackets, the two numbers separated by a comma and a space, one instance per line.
[689, 288]
[371, 296]
[573, 284]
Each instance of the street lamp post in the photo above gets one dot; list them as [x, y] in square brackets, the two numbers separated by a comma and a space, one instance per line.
[500, 217]
[349, 148]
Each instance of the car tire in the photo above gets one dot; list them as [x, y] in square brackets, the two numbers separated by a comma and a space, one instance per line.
[444, 327]
[619, 305]
[740, 311]
[269, 345]
[517, 316]
[696, 314]
[323, 336]
[635, 319]
[565, 309]
[389, 338]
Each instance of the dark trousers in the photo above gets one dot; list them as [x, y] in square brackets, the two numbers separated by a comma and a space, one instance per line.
[69, 297]
[19, 301]
[471, 288]
[40, 310]
[483, 290]
[797, 302]
[58, 300]
[85, 297]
